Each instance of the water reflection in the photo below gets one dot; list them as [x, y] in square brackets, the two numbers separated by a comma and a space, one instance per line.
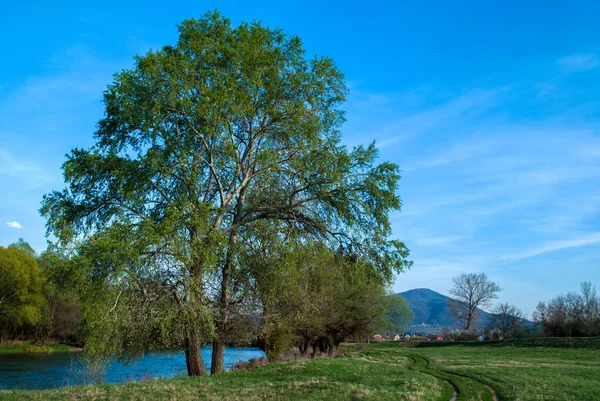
[41, 371]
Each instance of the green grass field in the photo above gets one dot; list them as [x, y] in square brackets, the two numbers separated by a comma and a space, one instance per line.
[383, 371]
[514, 372]
[34, 349]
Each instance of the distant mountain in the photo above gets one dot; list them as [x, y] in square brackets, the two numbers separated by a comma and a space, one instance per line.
[431, 309]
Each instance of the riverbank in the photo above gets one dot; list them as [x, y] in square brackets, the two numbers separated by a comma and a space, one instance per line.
[28, 348]
[381, 371]
[338, 378]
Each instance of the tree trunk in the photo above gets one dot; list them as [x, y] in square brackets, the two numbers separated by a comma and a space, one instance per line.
[469, 318]
[331, 347]
[543, 329]
[314, 350]
[218, 352]
[304, 348]
[193, 354]
[218, 357]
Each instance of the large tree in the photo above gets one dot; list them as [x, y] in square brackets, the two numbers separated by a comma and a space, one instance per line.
[471, 291]
[200, 141]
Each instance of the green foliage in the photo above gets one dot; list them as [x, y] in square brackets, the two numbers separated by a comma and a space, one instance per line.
[277, 339]
[201, 143]
[397, 315]
[22, 299]
[311, 296]
[39, 300]
[63, 321]
[24, 246]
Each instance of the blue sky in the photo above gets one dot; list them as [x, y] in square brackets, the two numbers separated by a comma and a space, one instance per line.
[493, 114]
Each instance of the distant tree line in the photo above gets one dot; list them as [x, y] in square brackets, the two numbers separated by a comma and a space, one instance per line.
[302, 296]
[574, 314]
[33, 305]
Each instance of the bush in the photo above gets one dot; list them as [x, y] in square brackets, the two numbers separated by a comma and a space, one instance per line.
[251, 364]
[465, 335]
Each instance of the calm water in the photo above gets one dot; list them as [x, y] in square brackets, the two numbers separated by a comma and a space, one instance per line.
[26, 371]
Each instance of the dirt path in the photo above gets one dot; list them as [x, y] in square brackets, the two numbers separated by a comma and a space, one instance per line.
[494, 394]
[454, 391]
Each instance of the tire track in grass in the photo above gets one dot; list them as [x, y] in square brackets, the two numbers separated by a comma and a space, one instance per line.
[492, 391]
[465, 388]
[490, 388]
[454, 388]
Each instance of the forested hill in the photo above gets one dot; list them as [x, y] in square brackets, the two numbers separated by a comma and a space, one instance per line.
[431, 308]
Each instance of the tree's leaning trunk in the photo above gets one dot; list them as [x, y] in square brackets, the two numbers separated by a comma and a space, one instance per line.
[218, 352]
[469, 318]
[193, 354]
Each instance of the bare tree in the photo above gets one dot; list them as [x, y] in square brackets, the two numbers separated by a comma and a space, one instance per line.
[540, 315]
[574, 314]
[506, 319]
[591, 308]
[471, 291]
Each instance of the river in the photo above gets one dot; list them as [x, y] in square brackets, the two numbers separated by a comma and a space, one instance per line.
[60, 369]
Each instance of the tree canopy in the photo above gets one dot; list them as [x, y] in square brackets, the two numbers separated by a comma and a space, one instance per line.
[22, 299]
[201, 142]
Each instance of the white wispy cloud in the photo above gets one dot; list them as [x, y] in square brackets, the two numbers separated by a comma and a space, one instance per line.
[579, 62]
[486, 193]
[435, 273]
[552, 246]
[510, 166]
[14, 224]
[455, 154]
[28, 173]
[436, 241]
[39, 115]
[470, 103]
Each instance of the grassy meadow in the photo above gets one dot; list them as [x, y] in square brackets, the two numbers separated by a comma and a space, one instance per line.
[385, 371]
